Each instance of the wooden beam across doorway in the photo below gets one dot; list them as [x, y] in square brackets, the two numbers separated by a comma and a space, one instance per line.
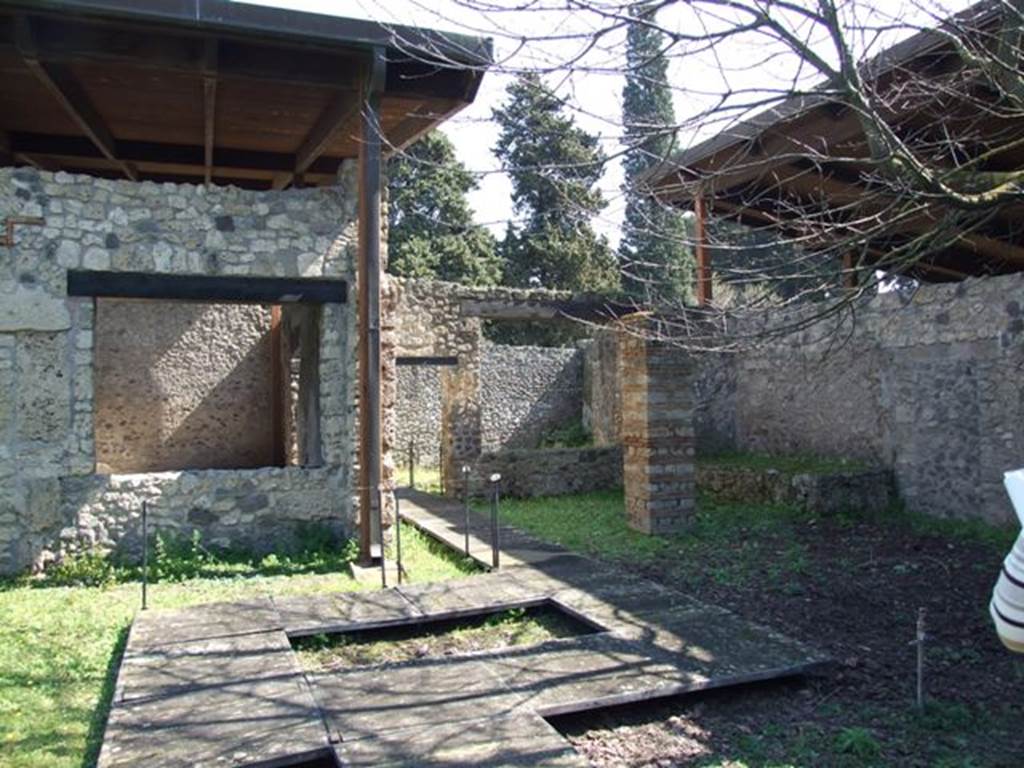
[221, 288]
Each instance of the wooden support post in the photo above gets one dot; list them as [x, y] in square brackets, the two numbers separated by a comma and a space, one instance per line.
[849, 271]
[209, 106]
[279, 381]
[370, 442]
[701, 249]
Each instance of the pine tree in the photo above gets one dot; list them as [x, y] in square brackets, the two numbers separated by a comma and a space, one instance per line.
[656, 265]
[431, 233]
[553, 165]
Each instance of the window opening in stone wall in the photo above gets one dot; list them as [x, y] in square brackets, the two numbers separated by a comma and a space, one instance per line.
[201, 385]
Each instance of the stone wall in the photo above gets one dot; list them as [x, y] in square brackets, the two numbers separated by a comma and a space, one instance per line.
[551, 471]
[182, 385]
[47, 344]
[930, 387]
[861, 492]
[602, 393]
[525, 392]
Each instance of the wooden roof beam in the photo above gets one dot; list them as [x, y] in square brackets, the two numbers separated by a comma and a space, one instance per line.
[6, 155]
[65, 88]
[336, 115]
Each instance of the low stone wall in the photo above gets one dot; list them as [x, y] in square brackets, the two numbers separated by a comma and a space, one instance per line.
[552, 471]
[259, 510]
[864, 491]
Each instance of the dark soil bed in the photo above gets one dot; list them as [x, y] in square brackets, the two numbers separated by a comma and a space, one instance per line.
[516, 627]
[852, 589]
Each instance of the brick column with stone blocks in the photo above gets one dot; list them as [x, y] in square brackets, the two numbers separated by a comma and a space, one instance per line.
[657, 435]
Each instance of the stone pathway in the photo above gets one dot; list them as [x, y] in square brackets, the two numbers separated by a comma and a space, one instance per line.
[218, 685]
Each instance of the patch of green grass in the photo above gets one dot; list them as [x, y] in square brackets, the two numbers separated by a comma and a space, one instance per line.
[573, 435]
[732, 542]
[59, 645]
[790, 464]
[426, 478]
[999, 537]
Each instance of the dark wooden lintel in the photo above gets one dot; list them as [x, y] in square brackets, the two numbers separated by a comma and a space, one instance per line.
[426, 360]
[219, 288]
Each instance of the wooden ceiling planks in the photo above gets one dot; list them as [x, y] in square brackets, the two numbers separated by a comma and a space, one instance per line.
[169, 98]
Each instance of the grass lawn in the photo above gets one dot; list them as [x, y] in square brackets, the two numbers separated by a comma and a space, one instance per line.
[848, 585]
[59, 645]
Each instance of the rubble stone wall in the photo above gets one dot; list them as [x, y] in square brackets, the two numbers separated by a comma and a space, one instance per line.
[50, 493]
[928, 385]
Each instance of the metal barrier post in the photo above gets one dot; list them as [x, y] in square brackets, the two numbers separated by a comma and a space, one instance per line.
[145, 552]
[383, 555]
[495, 544]
[412, 463]
[398, 540]
[465, 504]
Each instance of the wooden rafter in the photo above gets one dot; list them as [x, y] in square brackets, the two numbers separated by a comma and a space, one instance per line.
[336, 115]
[65, 88]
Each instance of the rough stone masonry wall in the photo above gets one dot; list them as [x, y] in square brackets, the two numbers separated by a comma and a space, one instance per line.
[932, 388]
[51, 499]
[551, 471]
[182, 385]
[525, 393]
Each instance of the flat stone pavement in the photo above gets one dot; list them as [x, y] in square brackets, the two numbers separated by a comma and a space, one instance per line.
[219, 684]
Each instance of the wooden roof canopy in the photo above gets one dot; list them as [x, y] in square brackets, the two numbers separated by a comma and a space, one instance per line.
[214, 91]
[808, 156]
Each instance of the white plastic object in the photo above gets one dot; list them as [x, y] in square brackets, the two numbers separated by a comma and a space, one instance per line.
[1007, 606]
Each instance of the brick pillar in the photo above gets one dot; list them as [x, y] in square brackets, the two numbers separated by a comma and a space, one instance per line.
[657, 435]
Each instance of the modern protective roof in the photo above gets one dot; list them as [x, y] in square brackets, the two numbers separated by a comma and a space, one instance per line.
[808, 157]
[185, 90]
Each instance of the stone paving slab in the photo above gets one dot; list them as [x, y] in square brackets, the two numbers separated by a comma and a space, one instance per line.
[218, 685]
[477, 594]
[173, 669]
[344, 611]
[368, 701]
[155, 628]
[236, 724]
[514, 741]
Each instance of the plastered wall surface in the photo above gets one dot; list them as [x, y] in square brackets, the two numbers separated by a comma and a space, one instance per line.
[182, 385]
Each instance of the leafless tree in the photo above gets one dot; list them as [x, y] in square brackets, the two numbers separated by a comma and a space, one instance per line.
[828, 147]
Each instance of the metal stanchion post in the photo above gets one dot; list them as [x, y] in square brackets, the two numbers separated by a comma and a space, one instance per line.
[440, 466]
[465, 504]
[145, 551]
[495, 544]
[383, 554]
[412, 463]
[398, 541]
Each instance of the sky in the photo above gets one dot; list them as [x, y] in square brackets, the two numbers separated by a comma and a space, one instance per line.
[587, 73]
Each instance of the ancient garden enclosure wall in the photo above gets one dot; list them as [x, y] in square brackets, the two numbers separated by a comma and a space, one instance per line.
[931, 386]
[525, 394]
[52, 499]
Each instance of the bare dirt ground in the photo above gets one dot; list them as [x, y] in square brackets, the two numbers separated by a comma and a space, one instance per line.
[852, 589]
